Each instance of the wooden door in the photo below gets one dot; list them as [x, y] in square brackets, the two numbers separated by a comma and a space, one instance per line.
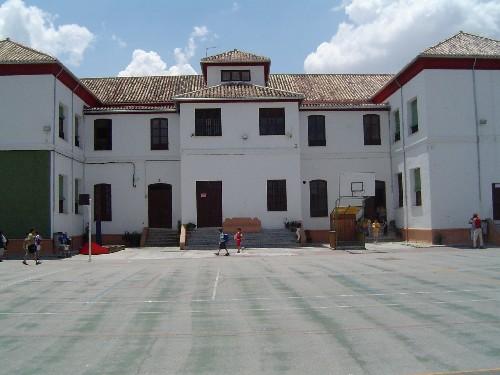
[346, 228]
[496, 201]
[160, 205]
[209, 203]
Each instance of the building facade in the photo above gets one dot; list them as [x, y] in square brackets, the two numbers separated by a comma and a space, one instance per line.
[238, 141]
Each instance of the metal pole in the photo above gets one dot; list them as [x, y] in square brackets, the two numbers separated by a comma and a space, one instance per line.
[90, 229]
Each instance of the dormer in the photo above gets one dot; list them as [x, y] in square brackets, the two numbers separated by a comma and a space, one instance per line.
[235, 67]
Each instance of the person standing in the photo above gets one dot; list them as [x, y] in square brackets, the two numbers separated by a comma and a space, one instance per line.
[3, 245]
[29, 246]
[477, 231]
[38, 246]
[375, 230]
[223, 237]
[238, 237]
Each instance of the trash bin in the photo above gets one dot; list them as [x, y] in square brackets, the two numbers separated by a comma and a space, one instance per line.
[332, 235]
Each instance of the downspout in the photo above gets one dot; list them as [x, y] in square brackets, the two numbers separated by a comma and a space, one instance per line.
[390, 161]
[53, 185]
[476, 119]
[403, 136]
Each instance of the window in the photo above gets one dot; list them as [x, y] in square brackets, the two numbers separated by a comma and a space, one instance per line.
[316, 130]
[417, 187]
[77, 131]
[62, 121]
[272, 121]
[413, 116]
[62, 208]
[276, 195]
[208, 122]
[103, 134]
[159, 134]
[371, 127]
[318, 198]
[234, 75]
[400, 190]
[102, 202]
[397, 126]
[77, 194]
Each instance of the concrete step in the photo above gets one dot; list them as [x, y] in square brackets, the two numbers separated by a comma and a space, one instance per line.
[162, 237]
[208, 239]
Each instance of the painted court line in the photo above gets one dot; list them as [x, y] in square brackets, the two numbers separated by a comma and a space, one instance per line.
[265, 308]
[214, 293]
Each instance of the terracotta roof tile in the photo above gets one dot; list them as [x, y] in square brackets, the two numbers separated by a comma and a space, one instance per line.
[145, 90]
[234, 56]
[16, 53]
[132, 108]
[239, 91]
[351, 89]
[330, 89]
[465, 45]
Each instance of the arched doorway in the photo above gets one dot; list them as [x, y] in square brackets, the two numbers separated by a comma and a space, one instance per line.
[160, 205]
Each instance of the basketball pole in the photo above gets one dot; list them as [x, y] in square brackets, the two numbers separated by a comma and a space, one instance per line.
[90, 229]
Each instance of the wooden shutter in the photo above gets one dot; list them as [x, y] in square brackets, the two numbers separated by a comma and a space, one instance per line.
[316, 130]
[318, 198]
[102, 202]
[371, 128]
[276, 195]
[271, 121]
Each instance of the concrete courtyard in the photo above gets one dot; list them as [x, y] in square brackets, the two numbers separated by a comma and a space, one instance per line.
[391, 310]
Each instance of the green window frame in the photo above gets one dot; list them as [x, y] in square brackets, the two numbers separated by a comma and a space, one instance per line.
[413, 116]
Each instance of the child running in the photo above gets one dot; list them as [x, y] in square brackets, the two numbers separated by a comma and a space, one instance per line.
[238, 237]
[223, 237]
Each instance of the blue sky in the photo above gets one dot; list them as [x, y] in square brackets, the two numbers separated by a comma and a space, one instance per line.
[98, 38]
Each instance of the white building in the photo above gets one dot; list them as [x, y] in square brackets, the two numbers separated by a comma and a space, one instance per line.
[238, 141]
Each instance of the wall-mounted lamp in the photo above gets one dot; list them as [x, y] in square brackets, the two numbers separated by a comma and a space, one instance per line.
[244, 137]
[483, 121]
[46, 128]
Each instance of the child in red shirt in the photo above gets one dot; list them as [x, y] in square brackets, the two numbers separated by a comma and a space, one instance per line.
[238, 237]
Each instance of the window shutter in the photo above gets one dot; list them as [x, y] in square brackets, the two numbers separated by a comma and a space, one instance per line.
[318, 198]
[414, 113]
[418, 186]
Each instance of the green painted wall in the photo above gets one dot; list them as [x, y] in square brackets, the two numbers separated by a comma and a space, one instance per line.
[25, 192]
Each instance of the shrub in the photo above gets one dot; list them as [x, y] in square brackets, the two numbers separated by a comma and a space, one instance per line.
[132, 239]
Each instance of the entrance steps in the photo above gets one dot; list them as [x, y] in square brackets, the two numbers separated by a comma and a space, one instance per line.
[208, 239]
[162, 237]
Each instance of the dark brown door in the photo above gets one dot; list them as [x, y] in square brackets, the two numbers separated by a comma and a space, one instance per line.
[496, 201]
[209, 203]
[160, 205]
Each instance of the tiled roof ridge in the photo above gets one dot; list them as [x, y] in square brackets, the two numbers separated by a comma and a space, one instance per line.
[331, 74]
[209, 59]
[425, 52]
[142, 77]
[7, 39]
[228, 84]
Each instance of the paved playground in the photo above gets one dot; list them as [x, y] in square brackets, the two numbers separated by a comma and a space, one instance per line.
[390, 310]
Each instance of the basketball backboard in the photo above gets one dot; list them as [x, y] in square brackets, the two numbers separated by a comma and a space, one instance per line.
[357, 184]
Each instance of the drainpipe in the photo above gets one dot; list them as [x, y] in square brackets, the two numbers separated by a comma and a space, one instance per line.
[390, 164]
[476, 120]
[53, 158]
[405, 185]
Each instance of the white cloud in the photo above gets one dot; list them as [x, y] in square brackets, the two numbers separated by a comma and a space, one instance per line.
[150, 63]
[121, 43]
[383, 35]
[35, 27]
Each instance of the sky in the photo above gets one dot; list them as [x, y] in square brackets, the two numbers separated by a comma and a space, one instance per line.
[100, 38]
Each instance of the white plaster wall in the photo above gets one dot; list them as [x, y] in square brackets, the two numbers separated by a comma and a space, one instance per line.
[26, 107]
[344, 152]
[256, 74]
[244, 184]
[129, 204]
[239, 119]
[131, 137]
[243, 166]
[419, 217]
[68, 222]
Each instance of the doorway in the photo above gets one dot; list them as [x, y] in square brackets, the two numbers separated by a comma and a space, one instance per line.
[496, 201]
[374, 207]
[209, 203]
[160, 205]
